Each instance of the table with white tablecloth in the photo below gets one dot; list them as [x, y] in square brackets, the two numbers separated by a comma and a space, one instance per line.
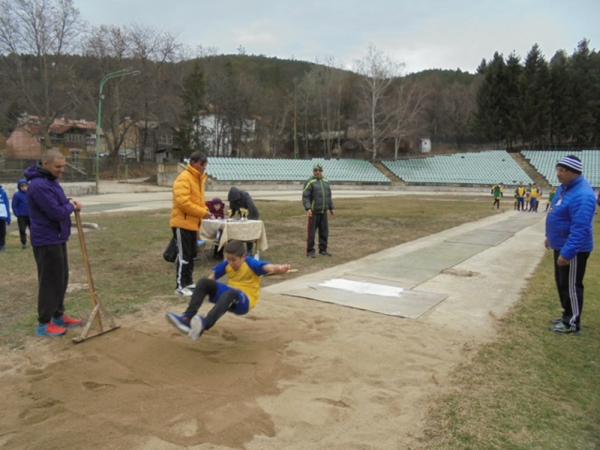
[243, 230]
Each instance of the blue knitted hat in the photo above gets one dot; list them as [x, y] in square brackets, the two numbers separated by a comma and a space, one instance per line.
[572, 163]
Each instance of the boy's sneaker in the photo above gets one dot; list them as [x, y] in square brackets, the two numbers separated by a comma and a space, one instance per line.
[191, 287]
[556, 321]
[66, 321]
[24, 246]
[49, 329]
[184, 292]
[562, 328]
[182, 323]
[197, 329]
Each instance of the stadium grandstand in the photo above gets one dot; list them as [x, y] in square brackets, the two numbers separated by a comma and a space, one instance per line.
[482, 168]
[544, 161]
[253, 169]
[459, 169]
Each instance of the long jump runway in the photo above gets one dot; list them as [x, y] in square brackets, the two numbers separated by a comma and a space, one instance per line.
[388, 286]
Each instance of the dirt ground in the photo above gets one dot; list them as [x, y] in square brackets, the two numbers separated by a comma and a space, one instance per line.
[293, 374]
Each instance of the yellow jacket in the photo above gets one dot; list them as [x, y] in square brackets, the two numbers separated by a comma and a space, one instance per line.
[188, 200]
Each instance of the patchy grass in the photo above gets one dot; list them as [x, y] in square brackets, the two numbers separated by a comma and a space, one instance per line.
[530, 389]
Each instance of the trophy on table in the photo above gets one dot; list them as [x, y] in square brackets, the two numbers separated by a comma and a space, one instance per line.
[244, 214]
[229, 219]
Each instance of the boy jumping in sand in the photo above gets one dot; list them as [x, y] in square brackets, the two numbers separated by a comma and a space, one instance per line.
[239, 295]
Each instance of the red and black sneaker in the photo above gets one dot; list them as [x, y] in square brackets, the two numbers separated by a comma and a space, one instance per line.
[49, 329]
[66, 321]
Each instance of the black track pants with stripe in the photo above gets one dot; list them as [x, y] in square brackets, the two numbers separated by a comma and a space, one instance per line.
[569, 283]
[187, 250]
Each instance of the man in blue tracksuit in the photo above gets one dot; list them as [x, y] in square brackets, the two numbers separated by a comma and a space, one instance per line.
[569, 232]
[317, 200]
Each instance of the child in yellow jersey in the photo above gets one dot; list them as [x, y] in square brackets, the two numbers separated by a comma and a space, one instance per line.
[239, 295]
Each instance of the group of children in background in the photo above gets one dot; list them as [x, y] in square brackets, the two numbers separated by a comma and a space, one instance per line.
[524, 198]
[20, 210]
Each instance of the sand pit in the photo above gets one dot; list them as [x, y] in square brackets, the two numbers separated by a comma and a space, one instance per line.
[293, 374]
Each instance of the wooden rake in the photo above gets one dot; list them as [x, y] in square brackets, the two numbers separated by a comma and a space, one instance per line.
[98, 309]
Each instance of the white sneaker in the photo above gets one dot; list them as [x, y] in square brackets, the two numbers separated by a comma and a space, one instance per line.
[185, 292]
[197, 328]
[191, 287]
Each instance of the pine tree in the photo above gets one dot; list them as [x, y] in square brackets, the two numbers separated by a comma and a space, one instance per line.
[583, 83]
[559, 99]
[512, 103]
[535, 99]
[490, 118]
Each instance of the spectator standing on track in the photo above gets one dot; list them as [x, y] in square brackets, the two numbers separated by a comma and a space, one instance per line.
[317, 200]
[520, 193]
[536, 194]
[528, 197]
[497, 192]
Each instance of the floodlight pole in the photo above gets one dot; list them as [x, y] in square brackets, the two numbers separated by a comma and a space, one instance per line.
[118, 73]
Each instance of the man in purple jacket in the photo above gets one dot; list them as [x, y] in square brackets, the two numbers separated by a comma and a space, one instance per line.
[49, 212]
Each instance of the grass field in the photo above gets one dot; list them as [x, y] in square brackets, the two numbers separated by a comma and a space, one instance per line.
[530, 389]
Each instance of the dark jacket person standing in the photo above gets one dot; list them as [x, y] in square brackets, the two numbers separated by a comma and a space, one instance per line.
[569, 233]
[49, 213]
[241, 199]
[316, 198]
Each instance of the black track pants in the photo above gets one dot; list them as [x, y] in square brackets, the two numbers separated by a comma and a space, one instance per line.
[53, 278]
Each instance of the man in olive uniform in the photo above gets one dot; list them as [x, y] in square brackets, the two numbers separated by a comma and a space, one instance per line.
[316, 198]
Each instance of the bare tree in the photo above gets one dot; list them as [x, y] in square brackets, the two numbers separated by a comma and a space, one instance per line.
[111, 47]
[329, 79]
[108, 43]
[407, 102]
[149, 97]
[154, 52]
[306, 111]
[35, 37]
[377, 74]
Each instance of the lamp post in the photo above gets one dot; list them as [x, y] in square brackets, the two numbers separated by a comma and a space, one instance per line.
[118, 73]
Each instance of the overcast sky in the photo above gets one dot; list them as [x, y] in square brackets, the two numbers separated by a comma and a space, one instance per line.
[421, 34]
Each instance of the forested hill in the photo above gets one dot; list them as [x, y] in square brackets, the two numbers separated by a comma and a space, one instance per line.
[443, 76]
[305, 106]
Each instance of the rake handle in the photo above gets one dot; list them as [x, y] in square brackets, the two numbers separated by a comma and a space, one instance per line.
[86, 264]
